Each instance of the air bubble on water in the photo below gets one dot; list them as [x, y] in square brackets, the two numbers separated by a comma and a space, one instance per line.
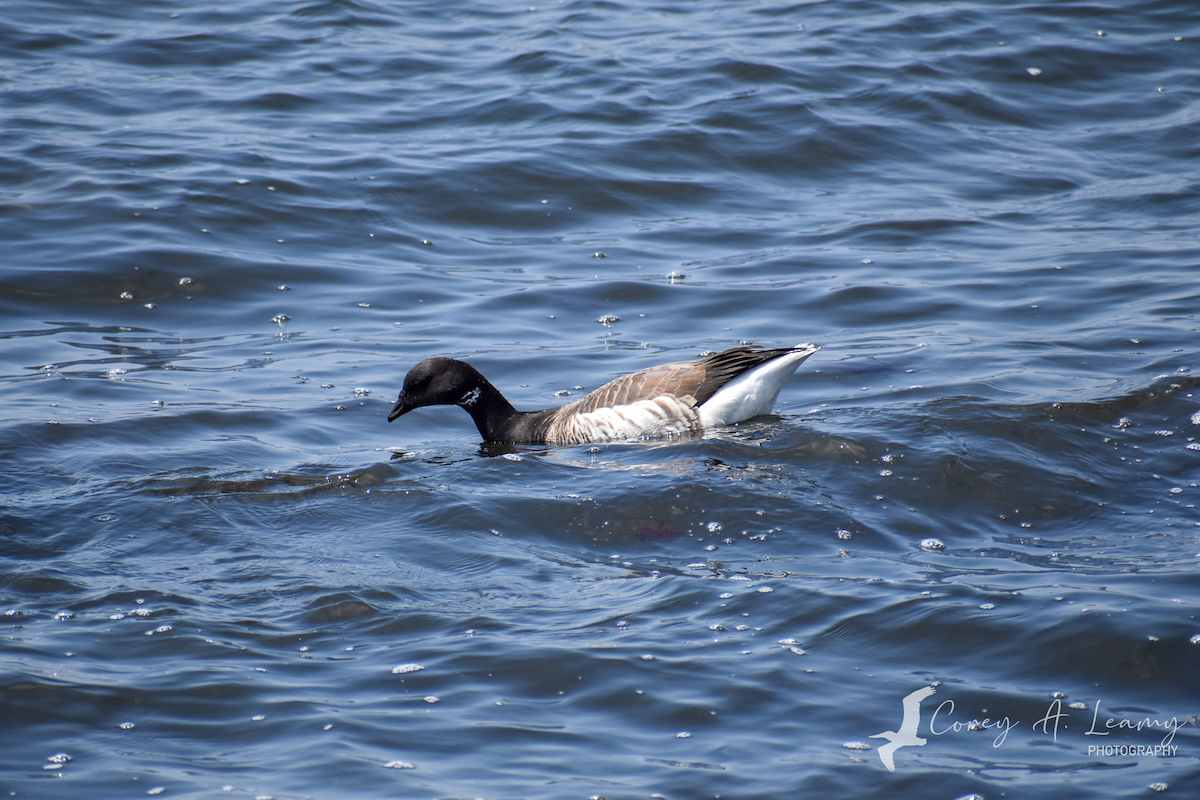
[364, 305]
[126, 726]
[1034, 71]
[647, 657]
[116, 372]
[794, 650]
[711, 547]
[988, 606]
[59, 758]
[1194, 446]
[512, 457]
[622, 624]
[399, 765]
[608, 319]
[885, 473]
[118, 615]
[1101, 33]
[867, 261]
[64, 615]
[971, 796]
[431, 698]
[844, 534]
[241, 181]
[1158, 786]
[1195, 638]
[932, 544]
[725, 595]
[328, 727]
[361, 392]
[1164, 433]
[143, 612]
[715, 527]
[1176, 490]
[742, 628]
[258, 717]
[406, 668]
[185, 281]
[683, 735]
[156, 790]
[562, 393]
[765, 590]
[856, 745]
[673, 276]
[738, 578]
[126, 295]
[279, 319]
[597, 255]
[789, 641]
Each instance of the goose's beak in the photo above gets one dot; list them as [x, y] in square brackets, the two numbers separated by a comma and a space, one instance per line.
[401, 408]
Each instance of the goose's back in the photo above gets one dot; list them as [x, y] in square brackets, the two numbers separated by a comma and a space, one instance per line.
[680, 379]
[666, 398]
[653, 401]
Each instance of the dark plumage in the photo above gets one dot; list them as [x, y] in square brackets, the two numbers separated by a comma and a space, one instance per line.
[719, 389]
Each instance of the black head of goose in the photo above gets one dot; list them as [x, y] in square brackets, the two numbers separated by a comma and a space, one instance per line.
[720, 389]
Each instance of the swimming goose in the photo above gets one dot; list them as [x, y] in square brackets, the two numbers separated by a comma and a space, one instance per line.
[719, 389]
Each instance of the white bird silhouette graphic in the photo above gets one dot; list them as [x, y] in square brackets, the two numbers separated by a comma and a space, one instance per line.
[907, 735]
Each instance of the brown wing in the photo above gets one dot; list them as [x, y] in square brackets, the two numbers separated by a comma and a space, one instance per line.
[681, 379]
[690, 381]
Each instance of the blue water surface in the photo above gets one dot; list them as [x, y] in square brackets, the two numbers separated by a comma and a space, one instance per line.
[229, 229]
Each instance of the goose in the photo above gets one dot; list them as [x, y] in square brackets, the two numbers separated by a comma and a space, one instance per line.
[718, 389]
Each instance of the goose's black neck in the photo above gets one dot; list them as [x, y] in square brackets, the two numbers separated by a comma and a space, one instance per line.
[445, 381]
[498, 421]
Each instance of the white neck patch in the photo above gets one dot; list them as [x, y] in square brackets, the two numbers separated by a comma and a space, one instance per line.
[470, 397]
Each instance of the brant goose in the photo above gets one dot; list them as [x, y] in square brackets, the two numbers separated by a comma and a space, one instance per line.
[719, 389]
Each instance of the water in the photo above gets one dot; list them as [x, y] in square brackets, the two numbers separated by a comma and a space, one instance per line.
[231, 227]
